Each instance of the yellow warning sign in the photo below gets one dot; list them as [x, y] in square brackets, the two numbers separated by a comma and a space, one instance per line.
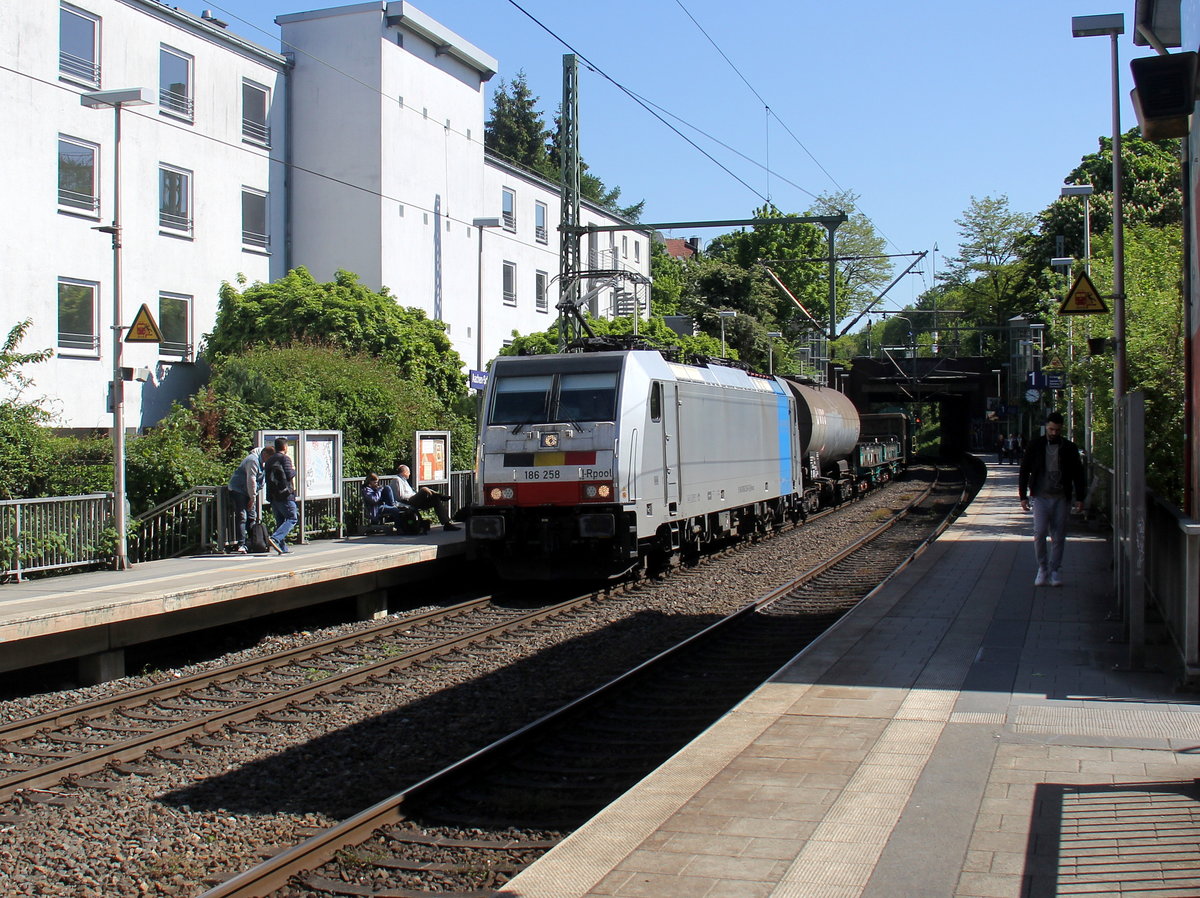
[1055, 364]
[144, 328]
[1083, 299]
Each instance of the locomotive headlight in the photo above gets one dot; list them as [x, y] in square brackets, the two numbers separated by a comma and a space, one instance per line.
[502, 493]
[604, 491]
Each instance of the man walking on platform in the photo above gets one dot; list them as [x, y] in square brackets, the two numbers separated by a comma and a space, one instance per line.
[279, 473]
[1052, 473]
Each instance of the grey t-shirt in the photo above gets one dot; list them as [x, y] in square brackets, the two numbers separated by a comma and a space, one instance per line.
[1051, 484]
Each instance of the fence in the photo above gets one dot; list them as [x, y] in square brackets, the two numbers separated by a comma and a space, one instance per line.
[63, 532]
[51, 534]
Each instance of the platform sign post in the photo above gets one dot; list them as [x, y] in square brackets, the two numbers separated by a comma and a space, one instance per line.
[431, 456]
[317, 455]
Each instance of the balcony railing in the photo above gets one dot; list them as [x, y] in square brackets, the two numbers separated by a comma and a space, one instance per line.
[542, 235]
[254, 238]
[174, 221]
[79, 68]
[87, 201]
[510, 220]
[89, 342]
[176, 103]
[256, 132]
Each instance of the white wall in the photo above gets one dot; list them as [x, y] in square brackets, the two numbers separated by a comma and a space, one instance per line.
[39, 243]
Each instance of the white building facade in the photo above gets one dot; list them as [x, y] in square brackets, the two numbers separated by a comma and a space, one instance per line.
[201, 190]
[361, 149]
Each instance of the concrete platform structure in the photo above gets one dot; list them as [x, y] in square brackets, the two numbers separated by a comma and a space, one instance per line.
[962, 733]
[95, 616]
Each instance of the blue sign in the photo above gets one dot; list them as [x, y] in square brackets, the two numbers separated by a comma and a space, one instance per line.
[1035, 379]
[1056, 381]
[478, 379]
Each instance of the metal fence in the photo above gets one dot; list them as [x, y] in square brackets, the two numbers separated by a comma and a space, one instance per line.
[64, 532]
[51, 534]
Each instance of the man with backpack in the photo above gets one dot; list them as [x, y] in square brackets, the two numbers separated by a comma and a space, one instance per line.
[279, 473]
[244, 485]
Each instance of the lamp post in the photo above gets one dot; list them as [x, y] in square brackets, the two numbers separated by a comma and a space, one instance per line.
[1112, 25]
[480, 223]
[723, 314]
[1085, 191]
[116, 99]
[774, 335]
[1064, 265]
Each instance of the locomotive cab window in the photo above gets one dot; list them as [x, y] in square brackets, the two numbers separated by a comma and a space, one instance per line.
[521, 400]
[656, 401]
[587, 397]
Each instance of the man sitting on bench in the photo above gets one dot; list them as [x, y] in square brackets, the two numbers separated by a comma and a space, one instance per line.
[379, 502]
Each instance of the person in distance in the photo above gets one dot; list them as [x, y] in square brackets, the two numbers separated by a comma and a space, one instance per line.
[424, 498]
[1052, 474]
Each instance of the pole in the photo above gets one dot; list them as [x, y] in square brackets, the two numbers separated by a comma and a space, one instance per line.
[479, 303]
[1120, 372]
[121, 561]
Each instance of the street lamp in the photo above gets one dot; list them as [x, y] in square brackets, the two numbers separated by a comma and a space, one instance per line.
[101, 99]
[723, 315]
[774, 335]
[480, 223]
[1085, 191]
[1112, 25]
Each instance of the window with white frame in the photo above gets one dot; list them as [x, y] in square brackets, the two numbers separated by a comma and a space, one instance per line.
[540, 231]
[175, 199]
[256, 100]
[510, 283]
[624, 247]
[77, 304]
[77, 176]
[78, 45]
[255, 231]
[637, 251]
[175, 323]
[175, 82]
[540, 299]
[508, 208]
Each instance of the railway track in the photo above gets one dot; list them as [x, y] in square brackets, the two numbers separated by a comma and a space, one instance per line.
[468, 829]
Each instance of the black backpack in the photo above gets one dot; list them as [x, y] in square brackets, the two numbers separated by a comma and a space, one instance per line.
[256, 539]
[277, 481]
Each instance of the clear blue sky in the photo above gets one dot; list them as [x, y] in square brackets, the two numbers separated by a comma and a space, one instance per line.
[915, 106]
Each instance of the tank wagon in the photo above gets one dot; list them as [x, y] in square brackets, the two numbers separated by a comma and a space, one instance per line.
[593, 464]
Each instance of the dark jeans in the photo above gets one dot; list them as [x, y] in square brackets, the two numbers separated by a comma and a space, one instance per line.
[244, 514]
[427, 498]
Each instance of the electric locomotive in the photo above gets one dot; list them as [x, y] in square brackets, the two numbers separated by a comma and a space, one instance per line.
[591, 464]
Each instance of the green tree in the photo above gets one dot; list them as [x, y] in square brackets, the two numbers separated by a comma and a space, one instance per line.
[26, 448]
[862, 270]
[516, 129]
[988, 278]
[297, 310]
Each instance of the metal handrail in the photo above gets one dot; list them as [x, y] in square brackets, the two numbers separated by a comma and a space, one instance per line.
[56, 533]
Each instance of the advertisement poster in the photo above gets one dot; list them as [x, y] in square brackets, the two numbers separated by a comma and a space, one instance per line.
[318, 467]
[433, 457]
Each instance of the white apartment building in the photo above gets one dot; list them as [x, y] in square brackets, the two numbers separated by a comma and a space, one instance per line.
[360, 149]
[201, 190]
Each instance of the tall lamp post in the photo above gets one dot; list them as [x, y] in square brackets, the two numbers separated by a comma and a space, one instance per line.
[1112, 25]
[1085, 191]
[480, 223]
[723, 314]
[773, 335]
[116, 99]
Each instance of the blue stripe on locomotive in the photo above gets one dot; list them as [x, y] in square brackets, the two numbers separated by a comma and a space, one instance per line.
[783, 433]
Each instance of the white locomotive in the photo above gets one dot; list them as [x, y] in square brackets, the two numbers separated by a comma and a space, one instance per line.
[591, 464]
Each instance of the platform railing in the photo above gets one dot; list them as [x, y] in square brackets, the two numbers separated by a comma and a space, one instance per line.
[188, 523]
[58, 533]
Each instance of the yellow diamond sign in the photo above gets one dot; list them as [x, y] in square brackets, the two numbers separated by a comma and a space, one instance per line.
[1083, 299]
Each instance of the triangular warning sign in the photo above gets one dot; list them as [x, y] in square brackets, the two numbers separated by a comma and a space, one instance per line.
[144, 328]
[1055, 364]
[1083, 299]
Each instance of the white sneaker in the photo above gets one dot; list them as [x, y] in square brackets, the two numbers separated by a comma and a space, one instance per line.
[242, 550]
[1040, 580]
[1055, 578]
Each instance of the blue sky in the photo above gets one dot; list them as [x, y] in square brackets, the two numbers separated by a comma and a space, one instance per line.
[915, 106]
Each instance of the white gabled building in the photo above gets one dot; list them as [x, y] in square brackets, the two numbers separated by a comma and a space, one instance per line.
[201, 189]
[361, 149]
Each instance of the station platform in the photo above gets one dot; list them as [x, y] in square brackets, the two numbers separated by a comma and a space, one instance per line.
[960, 733]
[95, 615]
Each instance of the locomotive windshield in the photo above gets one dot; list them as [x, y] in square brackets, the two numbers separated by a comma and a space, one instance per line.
[575, 397]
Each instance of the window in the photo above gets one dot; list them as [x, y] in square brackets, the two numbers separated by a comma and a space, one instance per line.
[539, 223]
[541, 303]
[175, 322]
[175, 199]
[624, 247]
[510, 283]
[656, 401]
[77, 315]
[254, 219]
[508, 207]
[637, 251]
[529, 398]
[77, 175]
[521, 400]
[256, 100]
[78, 45]
[175, 83]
